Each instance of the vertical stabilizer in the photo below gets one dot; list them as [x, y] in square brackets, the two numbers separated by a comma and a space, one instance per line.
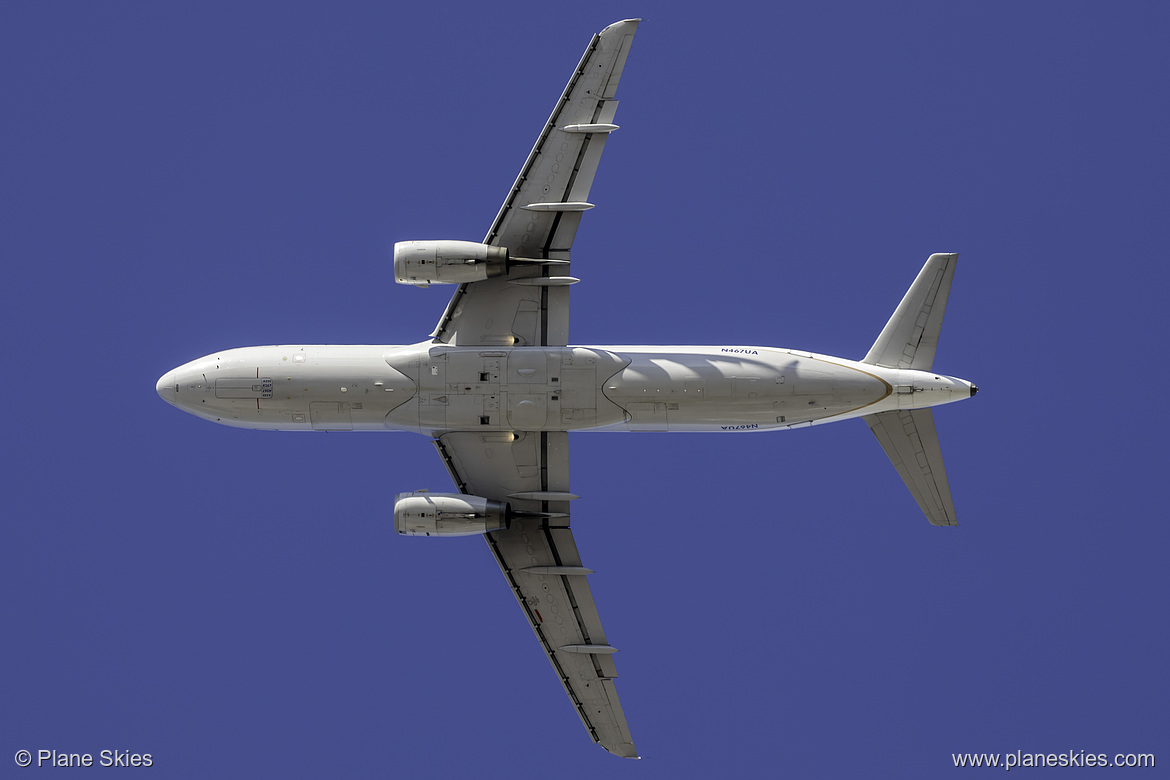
[909, 438]
[910, 338]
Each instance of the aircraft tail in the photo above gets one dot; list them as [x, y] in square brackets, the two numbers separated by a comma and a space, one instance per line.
[908, 436]
[910, 338]
[909, 439]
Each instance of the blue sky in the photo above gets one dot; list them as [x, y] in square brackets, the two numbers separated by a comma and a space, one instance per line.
[183, 178]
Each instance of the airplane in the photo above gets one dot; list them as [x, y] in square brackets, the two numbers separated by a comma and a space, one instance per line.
[497, 387]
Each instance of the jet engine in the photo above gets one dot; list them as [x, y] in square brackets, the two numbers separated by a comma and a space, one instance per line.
[422, 513]
[424, 263]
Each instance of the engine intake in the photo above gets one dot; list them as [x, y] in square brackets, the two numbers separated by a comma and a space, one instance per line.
[423, 263]
[448, 514]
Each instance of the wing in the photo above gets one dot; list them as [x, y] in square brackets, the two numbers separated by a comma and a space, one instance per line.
[539, 560]
[540, 216]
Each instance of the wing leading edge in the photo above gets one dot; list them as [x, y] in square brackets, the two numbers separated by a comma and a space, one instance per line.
[539, 559]
[540, 215]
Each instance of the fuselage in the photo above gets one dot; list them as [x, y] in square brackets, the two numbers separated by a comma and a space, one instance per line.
[432, 388]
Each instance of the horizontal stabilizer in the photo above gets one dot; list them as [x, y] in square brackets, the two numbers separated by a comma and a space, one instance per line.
[910, 440]
[910, 338]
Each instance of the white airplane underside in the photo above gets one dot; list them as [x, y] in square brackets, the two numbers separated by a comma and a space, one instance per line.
[497, 388]
[434, 389]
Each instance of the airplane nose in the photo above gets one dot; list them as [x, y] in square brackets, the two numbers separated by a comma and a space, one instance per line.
[166, 387]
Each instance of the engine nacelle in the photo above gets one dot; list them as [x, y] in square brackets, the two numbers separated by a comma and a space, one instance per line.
[424, 263]
[448, 514]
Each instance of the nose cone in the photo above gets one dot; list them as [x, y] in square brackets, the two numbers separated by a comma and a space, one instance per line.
[167, 387]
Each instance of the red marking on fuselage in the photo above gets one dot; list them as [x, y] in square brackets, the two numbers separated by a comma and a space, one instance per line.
[538, 617]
